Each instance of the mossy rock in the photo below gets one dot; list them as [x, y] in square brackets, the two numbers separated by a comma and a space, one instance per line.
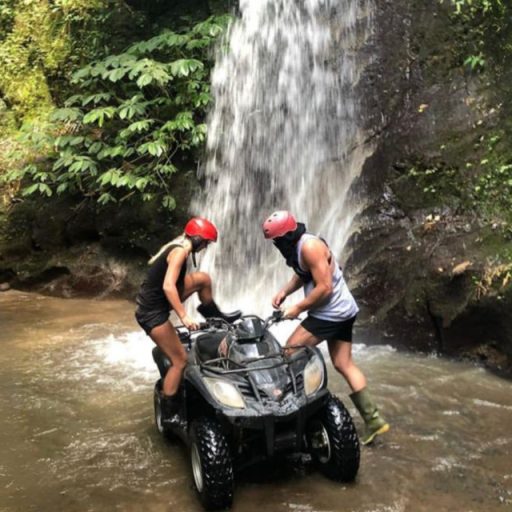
[44, 241]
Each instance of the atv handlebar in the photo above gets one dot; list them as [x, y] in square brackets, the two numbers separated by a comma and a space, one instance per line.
[274, 318]
[215, 323]
[220, 323]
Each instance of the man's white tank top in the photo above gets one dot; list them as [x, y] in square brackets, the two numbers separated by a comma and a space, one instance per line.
[340, 305]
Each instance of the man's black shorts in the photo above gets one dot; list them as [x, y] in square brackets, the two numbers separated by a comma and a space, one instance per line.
[329, 331]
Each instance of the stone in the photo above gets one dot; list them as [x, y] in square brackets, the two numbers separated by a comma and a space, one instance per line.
[461, 268]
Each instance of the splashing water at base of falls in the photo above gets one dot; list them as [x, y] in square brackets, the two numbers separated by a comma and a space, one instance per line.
[285, 133]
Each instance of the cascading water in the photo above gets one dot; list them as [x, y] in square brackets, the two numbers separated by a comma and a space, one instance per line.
[285, 133]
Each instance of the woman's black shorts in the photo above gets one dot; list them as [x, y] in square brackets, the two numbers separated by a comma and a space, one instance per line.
[329, 331]
[148, 320]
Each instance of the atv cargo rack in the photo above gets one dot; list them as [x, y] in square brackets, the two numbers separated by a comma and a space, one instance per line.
[212, 364]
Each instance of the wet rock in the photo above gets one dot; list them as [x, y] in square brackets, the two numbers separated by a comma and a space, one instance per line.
[82, 271]
[420, 263]
[430, 302]
[69, 249]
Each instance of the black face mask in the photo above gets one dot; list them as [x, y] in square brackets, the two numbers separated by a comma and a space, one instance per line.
[287, 245]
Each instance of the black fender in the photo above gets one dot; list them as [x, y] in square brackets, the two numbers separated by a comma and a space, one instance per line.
[161, 360]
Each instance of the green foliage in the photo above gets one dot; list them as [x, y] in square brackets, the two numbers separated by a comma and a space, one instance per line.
[134, 116]
[474, 8]
[492, 186]
[486, 32]
[7, 13]
[475, 61]
[482, 38]
[436, 180]
[478, 181]
[39, 39]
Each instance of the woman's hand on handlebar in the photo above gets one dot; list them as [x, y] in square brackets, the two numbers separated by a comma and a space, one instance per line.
[190, 324]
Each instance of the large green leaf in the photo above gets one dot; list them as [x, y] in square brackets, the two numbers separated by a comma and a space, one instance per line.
[66, 114]
[153, 148]
[169, 202]
[184, 67]
[99, 115]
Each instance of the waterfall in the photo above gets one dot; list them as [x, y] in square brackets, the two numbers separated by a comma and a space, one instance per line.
[285, 133]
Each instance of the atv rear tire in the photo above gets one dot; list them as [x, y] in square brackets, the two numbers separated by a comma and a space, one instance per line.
[333, 442]
[160, 424]
[212, 464]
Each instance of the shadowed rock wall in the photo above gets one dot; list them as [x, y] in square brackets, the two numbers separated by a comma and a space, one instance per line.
[429, 272]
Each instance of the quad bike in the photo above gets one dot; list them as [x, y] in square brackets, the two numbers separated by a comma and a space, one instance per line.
[252, 400]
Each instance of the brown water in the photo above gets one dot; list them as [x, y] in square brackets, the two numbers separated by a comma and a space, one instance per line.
[77, 433]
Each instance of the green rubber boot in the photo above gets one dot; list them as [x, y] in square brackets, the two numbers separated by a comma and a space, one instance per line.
[375, 423]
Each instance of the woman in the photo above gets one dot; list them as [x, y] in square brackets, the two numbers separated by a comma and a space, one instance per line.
[166, 287]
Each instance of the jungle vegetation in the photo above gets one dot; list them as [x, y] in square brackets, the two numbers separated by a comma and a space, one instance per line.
[106, 101]
[482, 31]
[92, 107]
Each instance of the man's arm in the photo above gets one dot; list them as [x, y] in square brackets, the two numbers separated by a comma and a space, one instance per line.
[292, 286]
[315, 256]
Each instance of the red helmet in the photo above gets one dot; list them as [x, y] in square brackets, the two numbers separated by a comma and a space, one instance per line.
[199, 226]
[278, 224]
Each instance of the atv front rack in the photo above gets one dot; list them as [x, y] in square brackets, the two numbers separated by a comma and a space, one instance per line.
[213, 365]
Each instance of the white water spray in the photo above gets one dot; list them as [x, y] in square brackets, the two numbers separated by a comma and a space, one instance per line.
[285, 133]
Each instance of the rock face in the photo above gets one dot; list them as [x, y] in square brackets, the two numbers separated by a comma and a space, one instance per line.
[74, 249]
[429, 274]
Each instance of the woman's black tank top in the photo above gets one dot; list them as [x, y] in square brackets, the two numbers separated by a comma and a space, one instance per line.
[151, 296]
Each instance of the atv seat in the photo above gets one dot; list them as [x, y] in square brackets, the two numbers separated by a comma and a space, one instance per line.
[207, 345]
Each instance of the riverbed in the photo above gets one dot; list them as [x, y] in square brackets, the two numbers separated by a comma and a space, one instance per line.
[77, 431]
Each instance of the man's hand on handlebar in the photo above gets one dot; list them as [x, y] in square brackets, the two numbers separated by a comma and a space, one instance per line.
[291, 312]
[277, 315]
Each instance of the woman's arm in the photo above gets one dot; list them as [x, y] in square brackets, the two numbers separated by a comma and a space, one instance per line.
[175, 262]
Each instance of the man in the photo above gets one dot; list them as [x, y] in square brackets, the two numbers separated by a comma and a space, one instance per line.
[331, 308]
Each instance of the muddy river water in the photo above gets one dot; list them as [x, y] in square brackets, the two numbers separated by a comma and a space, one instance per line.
[77, 432]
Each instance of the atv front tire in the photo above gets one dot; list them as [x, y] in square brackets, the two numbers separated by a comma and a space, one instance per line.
[333, 442]
[212, 464]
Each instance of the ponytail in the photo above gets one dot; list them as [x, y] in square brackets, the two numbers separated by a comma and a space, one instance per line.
[177, 241]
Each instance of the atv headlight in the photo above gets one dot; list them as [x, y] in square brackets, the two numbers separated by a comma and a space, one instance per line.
[313, 376]
[225, 393]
